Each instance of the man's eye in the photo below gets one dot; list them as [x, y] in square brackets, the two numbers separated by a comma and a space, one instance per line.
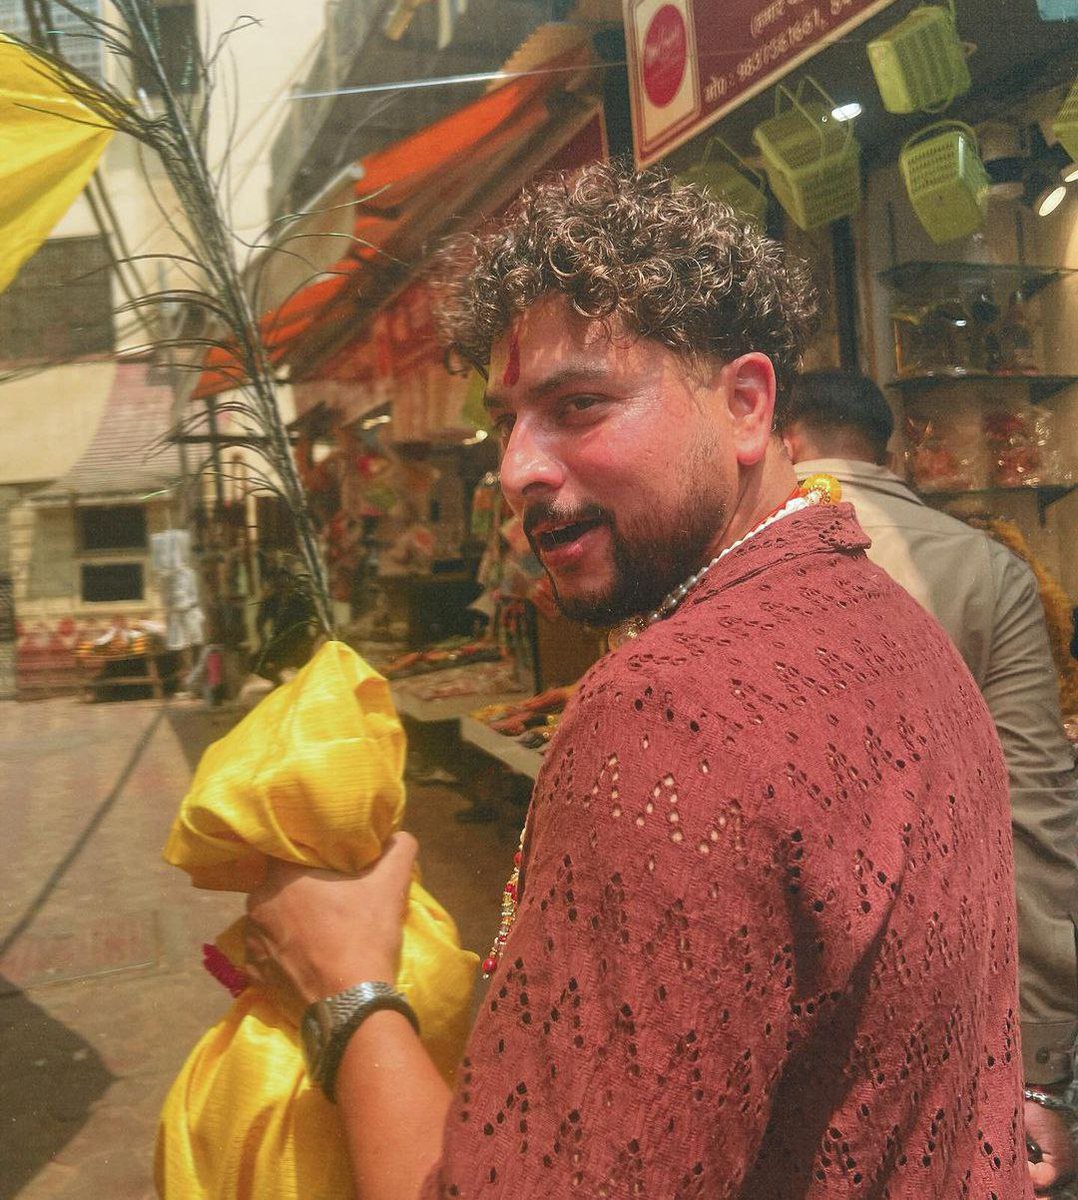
[579, 404]
[503, 426]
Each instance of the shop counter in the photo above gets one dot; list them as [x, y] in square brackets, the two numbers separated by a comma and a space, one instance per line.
[158, 671]
[450, 694]
[434, 606]
[506, 750]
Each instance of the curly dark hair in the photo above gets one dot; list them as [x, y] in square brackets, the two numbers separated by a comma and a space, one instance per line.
[668, 260]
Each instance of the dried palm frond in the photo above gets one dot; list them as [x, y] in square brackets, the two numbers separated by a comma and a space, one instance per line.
[213, 297]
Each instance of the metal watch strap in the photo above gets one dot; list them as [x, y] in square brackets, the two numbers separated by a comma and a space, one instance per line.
[1048, 1101]
[351, 1008]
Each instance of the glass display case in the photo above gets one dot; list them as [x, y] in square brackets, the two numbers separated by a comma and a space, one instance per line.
[962, 320]
[972, 373]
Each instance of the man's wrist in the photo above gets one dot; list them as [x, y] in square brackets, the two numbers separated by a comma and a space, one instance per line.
[328, 1025]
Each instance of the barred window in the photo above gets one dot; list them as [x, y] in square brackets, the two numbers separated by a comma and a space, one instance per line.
[59, 306]
[75, 39]
[112, 527]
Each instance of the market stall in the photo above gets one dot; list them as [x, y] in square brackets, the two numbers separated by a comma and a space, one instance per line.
[127, 658]
[937, 206]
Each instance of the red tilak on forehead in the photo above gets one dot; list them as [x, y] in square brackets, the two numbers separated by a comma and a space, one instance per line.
[512, 366]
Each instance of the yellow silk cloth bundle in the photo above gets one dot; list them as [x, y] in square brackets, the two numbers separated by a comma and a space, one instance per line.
[311, 776]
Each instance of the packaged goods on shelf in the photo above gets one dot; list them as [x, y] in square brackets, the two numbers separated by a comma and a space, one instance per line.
[122, 641]
[1022, 446]
[941, 457]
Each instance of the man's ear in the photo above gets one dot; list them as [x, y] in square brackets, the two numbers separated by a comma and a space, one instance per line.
[749, 390]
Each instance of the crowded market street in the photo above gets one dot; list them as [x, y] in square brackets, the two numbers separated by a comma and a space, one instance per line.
[628, 445]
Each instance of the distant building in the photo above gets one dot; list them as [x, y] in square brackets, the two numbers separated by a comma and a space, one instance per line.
[86, 472]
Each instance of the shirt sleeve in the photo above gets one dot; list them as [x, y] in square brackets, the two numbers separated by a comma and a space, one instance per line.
[1022, 694]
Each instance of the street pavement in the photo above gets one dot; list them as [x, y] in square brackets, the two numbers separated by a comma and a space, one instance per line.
[102, 993]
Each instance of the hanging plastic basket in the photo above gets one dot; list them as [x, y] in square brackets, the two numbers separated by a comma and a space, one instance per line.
[813, 161]
[1066, 123]
[946, 180]
[919, 64]
[734, 183]
[1058, 10]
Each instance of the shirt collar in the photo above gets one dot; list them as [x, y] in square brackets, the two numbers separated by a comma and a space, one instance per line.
[820, 528]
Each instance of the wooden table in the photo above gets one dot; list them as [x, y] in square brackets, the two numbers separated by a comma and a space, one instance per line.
[91, 677]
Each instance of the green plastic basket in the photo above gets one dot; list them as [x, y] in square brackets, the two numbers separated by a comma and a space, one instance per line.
[1066, 123]
[813, 162]
[919, 64]
[945, 179]
[734, 183]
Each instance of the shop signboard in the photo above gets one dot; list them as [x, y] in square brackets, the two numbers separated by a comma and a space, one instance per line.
[693, 61]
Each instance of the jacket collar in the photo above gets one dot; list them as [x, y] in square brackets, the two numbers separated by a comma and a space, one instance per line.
[860, 474]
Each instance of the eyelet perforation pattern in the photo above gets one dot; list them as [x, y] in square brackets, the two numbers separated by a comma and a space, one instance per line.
[765, 945]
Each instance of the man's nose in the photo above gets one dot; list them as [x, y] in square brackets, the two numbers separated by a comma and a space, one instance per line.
[529, 464]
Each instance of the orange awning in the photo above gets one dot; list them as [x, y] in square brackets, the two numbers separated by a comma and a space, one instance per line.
[405, 195]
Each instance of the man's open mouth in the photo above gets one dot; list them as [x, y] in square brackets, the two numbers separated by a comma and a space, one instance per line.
[561, 535]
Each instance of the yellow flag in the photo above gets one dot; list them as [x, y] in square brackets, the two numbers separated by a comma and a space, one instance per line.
[49, 145]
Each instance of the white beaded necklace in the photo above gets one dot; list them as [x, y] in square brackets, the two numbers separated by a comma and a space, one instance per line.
[817, 489]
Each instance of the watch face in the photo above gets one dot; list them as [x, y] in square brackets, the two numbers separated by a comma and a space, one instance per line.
[314, 1032]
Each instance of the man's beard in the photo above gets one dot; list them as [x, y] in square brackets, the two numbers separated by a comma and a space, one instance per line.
[649, 561]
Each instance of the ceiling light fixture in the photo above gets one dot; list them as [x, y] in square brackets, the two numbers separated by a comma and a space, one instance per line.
[1038, 178]
[1049, 198]
[847, 112]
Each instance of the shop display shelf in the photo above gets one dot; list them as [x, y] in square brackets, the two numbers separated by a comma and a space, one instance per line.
[926, 277]
[1045, 494]
[1041, 386]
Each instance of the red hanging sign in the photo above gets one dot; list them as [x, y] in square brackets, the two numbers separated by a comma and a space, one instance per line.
[693, 61]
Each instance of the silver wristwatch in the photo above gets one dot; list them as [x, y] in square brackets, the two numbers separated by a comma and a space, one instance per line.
[328, 1024]
[1048, 1101]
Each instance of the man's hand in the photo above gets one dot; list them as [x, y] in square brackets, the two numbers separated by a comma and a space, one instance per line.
[320, 932]
[1049, 1130]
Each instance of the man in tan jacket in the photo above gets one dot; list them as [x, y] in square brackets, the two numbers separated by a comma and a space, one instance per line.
[987, 600]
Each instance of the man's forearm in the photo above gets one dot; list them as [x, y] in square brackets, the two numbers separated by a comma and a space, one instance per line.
[393, 1105]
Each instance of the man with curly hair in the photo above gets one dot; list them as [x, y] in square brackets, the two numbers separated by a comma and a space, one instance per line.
[764, 938]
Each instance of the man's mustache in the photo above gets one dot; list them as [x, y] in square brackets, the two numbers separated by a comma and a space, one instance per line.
[539, 513]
